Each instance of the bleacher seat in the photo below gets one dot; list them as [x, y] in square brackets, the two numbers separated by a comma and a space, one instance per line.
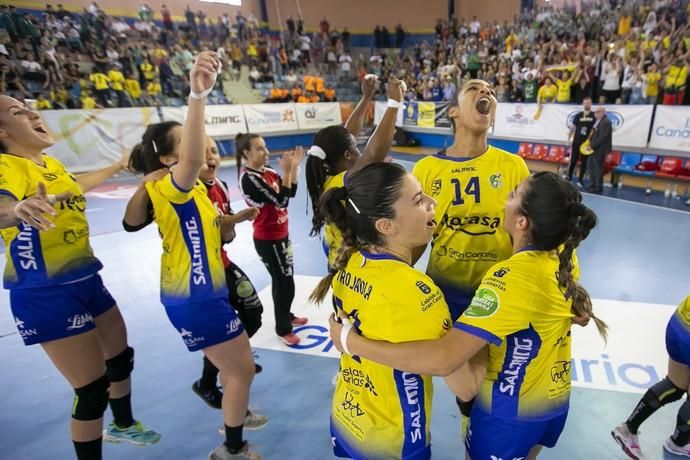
[648, 166]
[557, 155]
[670, 167]
[684, 173]
[612, 160]
[539, 152]
[525, 149]
[628, 162]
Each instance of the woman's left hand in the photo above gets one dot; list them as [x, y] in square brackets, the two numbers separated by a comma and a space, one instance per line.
[202, 77]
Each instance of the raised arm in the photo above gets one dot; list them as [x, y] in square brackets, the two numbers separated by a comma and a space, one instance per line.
[90, 180]
[356, 120]
[380, 142]
[193, 144]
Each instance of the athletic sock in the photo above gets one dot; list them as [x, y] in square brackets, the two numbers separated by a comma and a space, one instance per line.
[122, 411]
[209, 375]
[89, 450]
[233, 438]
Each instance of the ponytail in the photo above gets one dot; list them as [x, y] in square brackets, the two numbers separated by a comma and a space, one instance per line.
[156, 142]
[559, 221]
[316, 174]
[582, 302]
[332, 208]
[333, 142]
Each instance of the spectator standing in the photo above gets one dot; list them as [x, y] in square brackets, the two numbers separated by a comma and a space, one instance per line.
[602, 140]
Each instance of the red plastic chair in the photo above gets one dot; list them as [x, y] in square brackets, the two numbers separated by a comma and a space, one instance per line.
[539, 152]
[525, 149]
[612, 160]
[556, 154]
[684, 173]
[670, 167]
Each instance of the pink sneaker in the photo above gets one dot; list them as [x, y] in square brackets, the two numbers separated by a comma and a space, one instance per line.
[289, 339]
[297, 321]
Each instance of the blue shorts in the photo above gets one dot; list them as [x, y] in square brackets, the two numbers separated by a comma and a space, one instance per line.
[678, 341]
[55, 312]
[495, 437]
[203, 324]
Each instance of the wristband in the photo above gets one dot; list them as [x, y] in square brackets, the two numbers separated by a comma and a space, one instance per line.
[344, 332]
[201, 95]
[393, 104]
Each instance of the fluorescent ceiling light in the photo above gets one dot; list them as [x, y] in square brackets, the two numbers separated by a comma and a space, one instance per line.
[224, 2]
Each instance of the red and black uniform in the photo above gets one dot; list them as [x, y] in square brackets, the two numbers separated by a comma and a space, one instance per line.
[264, 190]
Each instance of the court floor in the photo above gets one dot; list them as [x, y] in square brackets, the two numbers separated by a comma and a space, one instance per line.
[635, 265]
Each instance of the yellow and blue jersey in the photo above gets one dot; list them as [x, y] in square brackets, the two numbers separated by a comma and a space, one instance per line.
[191, 266]
[377, 411]
[682, 314]
[524, 315]
[46, 258]
[471, 195]
[332, 238]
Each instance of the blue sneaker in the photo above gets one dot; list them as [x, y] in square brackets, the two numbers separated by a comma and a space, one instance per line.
[136, 434]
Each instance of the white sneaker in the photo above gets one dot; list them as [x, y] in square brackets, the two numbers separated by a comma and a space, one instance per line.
[628, 442]
[672, 448]
[222, 453]
[252, 422]
[580, 184]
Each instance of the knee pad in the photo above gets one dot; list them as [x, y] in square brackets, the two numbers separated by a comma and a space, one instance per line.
[666, 392]
[120, 367]
[91, 401]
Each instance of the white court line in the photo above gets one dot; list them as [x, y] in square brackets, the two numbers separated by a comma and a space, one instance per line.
[637, 203]
[94, 209]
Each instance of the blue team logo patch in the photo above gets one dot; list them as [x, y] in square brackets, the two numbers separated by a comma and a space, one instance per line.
[501, 272]
[423, 287]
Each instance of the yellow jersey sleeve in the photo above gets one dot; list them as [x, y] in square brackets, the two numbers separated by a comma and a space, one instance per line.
[495, 310]
[169, 190]
[13, 183]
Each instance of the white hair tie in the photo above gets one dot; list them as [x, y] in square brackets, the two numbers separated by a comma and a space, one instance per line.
[316, 151]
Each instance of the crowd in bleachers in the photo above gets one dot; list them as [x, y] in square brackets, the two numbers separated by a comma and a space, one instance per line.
[91, 59]
[630, 52]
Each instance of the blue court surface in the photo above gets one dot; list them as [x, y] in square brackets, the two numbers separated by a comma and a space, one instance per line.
[635, 265]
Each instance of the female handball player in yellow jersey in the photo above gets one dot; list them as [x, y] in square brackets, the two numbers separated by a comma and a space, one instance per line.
[382, 214]
[523, 311]
[335, 153]
[670, 389]
[56, 295]
[193, 284]
[470, 181]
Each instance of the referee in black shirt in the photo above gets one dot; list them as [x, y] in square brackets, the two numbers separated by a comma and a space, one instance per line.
[583, 124]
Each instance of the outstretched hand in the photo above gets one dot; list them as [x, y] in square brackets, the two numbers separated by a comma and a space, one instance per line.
[33, 210]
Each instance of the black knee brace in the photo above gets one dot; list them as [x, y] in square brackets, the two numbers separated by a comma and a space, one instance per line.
[665, 392]
[91, 401]
[120, 367]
